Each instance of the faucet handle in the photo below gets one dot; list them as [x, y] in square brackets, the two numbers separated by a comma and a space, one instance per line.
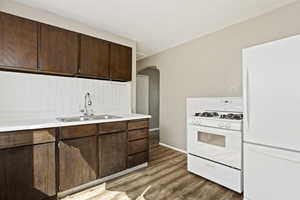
[91, 112]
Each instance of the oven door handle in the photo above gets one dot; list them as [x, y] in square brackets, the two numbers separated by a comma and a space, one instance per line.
[220, 132]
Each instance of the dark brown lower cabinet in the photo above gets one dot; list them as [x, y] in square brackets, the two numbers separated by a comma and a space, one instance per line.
[31, 164]
[138, 146]
[138, 142]
[112, 153]
[28, 173]
[77, 162]
[137, 159]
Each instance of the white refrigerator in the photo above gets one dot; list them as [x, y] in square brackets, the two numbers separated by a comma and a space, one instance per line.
[271, 90]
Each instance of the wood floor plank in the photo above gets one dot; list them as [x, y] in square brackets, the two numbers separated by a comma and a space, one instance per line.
[143, 173]
[168, 158]
[148, 179]
[162, 182]
[180, 187]
[158, 151]
[161, 155]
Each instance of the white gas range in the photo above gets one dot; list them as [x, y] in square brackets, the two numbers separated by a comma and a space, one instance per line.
[214, 139]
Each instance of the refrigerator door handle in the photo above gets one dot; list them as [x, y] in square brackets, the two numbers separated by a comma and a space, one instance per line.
[276, 156]
[246, 99]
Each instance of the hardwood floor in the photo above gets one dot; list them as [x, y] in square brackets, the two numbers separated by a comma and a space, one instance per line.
[169, 180]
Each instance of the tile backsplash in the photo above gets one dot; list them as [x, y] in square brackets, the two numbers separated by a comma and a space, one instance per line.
[31, 96]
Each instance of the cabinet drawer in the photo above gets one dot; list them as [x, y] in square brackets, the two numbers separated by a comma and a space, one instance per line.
[28, 137]
[137, 159]
[112, 127]
[137, 146]
[137, 134]
[137, 124]
[78, 131]
[226, 176]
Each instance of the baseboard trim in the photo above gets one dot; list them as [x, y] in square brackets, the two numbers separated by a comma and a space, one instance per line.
[171, 147]
[154, 129]
[98, 181]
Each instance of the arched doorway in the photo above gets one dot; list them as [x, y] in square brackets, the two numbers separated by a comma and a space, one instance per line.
[150, 92]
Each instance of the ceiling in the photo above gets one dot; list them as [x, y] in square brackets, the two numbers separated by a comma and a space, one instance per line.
[158, 25]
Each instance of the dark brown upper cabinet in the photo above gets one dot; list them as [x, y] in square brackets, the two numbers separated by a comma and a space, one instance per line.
[94, 57]
[120, 62]
[18, 42]
[27, 45]
[58, 50]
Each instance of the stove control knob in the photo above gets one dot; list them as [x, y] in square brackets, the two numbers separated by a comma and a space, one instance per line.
[221, 125]
[228, 125]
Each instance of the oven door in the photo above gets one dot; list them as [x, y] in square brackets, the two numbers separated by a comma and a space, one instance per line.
[219, 145]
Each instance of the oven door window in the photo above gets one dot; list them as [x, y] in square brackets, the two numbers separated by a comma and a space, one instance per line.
[212, 139]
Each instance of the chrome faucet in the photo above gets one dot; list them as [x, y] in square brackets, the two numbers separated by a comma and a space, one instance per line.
[87, 102]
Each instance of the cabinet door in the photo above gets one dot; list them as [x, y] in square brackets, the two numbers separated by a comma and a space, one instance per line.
[94, 57]
[18, 42]
[77, 162]
[112, 153]
[120, 62]
[58, 50]
[28, 173]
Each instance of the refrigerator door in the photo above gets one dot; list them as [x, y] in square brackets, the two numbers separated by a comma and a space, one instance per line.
[270, 173]
[271, 75]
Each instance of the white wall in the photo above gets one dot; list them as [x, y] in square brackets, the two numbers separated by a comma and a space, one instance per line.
[212, 66]
[21, 10]
[31, 96]
[142, 94]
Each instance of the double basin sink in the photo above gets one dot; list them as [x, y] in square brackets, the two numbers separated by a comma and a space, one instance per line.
[87, 118]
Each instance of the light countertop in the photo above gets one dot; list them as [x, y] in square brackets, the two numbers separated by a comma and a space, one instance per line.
[51, 123]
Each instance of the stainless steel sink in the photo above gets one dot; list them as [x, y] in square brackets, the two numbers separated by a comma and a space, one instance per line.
[73, 119]
[105, 117]
[86, 118]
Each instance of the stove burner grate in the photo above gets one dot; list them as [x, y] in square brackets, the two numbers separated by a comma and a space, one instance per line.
[232, 116]
[207, 114]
